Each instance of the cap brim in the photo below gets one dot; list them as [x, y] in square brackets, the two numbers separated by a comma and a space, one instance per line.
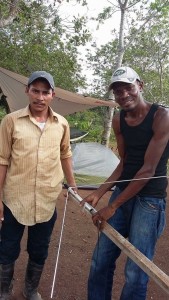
[40, 77]
[126, 80]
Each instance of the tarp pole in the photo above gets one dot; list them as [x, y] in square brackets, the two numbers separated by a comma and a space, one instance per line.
[140, 259]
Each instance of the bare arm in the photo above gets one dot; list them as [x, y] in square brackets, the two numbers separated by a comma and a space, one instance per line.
[152, 157]
[68, 171]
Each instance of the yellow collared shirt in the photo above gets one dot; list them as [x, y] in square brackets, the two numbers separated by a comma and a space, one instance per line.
[34, 175]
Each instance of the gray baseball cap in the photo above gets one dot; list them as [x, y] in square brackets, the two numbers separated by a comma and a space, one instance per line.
[124, 74]
[42, 74]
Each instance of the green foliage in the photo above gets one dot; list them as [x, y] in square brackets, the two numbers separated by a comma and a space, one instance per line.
[103, 62]
[8, 8]
[161, 6]
[39, 39]
[90, 121]
[88, 180]
[83, 2]
[105, 14]
[149, 55]
[2, 113]
[146, 50]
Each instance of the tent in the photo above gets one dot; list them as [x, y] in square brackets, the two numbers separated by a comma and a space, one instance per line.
[64, 103]
[92, 163]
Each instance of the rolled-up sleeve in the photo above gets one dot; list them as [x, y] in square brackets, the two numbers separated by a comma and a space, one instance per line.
[6, 128]
[65, 148]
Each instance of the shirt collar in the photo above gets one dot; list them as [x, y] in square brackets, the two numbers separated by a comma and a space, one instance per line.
[53, 114]
[26, 112]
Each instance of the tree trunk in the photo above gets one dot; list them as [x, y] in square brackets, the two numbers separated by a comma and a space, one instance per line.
[12, 13]
[107, 126]
[108, 120]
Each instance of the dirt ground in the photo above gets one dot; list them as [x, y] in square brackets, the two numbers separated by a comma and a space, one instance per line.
[78, 240]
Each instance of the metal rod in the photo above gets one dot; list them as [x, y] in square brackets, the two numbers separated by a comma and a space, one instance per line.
[140, 259]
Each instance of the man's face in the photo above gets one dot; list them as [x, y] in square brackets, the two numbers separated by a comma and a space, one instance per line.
[40, 95]
[127, 95]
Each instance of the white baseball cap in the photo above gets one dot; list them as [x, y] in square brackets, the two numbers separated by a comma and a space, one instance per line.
[124, 74]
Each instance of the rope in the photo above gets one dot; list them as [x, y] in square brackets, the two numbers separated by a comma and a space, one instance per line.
[64, 214]
[126, 180]
[60, 241]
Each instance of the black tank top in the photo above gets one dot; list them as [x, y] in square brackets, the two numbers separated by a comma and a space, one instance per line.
[136, 140]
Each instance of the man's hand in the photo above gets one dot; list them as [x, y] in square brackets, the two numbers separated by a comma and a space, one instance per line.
[92, 199]
[102, 216]
[74, 188]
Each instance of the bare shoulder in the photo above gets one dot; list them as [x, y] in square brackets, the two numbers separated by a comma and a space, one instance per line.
[162, 110]
[161, 119]
[162, 114]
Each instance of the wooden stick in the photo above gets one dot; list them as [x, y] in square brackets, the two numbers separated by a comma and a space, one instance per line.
[140, 259]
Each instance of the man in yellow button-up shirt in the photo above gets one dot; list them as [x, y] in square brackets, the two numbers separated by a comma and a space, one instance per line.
[34, 153]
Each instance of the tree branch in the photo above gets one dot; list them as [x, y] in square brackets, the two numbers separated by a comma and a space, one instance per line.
[151, 16]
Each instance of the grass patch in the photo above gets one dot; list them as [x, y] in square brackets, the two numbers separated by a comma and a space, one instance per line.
[90, 180]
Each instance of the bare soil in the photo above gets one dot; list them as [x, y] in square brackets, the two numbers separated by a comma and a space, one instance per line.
[78, 240]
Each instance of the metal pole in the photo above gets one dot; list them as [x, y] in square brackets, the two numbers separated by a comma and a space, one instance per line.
[140, 259]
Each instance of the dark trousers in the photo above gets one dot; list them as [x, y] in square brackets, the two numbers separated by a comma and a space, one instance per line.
[37, 243]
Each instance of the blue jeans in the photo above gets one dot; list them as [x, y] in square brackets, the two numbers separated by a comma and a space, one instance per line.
[142, 220]
[37, 242]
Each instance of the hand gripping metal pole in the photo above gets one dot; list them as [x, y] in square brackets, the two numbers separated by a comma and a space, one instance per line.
[140, 259]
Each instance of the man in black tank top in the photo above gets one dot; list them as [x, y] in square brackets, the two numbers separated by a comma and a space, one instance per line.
[137, 206]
